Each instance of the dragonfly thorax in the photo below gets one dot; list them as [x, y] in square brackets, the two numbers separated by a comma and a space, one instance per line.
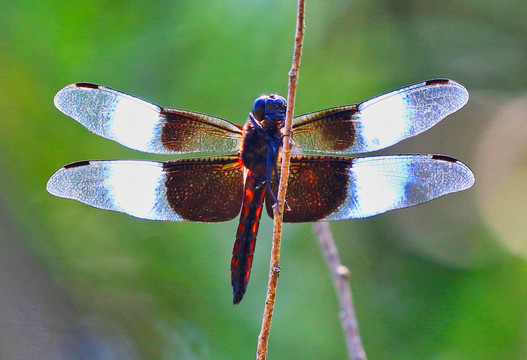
[262, 133]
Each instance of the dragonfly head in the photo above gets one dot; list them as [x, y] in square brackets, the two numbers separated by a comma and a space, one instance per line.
[270, 107]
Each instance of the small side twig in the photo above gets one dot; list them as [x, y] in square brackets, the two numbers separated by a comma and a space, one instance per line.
[274, 271]
[340, 274]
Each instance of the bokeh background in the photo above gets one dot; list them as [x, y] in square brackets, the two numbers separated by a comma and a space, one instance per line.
[445, 280]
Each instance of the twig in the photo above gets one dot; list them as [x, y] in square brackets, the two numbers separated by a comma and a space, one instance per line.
[340, 274]
[274, 270]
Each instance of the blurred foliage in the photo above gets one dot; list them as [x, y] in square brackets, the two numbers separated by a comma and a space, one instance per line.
[446, 280]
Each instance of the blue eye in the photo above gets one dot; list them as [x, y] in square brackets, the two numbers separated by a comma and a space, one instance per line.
[259, 108]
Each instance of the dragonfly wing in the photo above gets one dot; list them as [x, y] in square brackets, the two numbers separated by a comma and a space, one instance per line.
[381, 121]
[144, 126]
[201, 189]
[338, 188]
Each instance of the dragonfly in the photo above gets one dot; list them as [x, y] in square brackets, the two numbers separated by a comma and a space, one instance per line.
[218, 188]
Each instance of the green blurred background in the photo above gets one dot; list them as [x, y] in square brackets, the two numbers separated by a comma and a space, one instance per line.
[445, 280]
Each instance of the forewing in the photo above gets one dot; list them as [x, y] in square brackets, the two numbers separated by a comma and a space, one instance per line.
[201, 189]
[144, 126]
[337, 188]
[381, 121]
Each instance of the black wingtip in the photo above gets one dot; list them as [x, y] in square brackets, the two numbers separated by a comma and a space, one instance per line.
[444, 158]
[77, 164]
[87, 85]
[439, 81]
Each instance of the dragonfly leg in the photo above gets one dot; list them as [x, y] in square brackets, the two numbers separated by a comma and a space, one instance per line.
[289, 134]
[271, 163]
[268, 174]
[254, 121]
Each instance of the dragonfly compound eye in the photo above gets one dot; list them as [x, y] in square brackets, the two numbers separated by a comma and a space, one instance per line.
[259, 108]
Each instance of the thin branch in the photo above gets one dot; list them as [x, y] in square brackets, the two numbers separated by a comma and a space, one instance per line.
[340, 274]
[274, 271]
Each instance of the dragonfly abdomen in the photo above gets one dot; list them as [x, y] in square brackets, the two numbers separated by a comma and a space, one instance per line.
[242, 253]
